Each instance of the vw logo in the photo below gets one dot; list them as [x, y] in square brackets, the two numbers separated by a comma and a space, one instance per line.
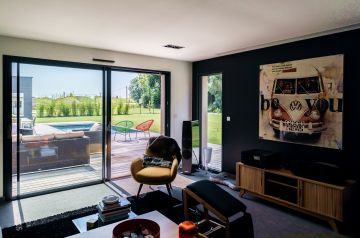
[295, 105]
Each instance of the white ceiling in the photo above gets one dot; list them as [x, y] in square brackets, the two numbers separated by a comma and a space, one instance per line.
[207, 28]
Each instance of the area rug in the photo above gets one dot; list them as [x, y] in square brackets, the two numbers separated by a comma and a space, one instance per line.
[55, 226]
[130, 186]
[168, 206]
[61, 225]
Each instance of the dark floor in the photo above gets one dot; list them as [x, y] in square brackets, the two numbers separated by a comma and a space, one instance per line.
[269, 220]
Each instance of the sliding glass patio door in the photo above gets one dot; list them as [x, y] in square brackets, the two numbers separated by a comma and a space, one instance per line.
[137, 113]
[57, 133]
[69, 124]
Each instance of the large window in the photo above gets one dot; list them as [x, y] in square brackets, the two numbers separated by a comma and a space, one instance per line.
[74, 124]
[56, 113]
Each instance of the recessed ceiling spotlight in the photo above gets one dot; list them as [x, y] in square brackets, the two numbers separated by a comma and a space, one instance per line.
[176, 47]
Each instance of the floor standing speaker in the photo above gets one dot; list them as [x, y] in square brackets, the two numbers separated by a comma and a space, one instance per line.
[186, 148]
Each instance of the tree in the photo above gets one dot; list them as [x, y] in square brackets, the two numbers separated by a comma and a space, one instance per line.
[145, 89]
[215, 93]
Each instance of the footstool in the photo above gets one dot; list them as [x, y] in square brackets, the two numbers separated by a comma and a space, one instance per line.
[216, 200]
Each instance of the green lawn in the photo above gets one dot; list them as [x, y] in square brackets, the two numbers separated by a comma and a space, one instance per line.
[214, 128]
[214, 122]
[136, 118]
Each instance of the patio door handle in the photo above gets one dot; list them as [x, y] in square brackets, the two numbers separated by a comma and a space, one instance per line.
[9, 132]
[108, 127]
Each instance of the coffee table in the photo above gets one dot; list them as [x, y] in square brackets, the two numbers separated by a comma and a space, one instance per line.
[168, 229]
[80, 223]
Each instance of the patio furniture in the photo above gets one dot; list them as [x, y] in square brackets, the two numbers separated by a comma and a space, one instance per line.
[144, 127]
[123, 128]
[95, 134]
[51, 151]
[161, 147]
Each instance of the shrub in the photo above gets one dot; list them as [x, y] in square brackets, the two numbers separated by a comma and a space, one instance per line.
[90, 108]
[119, 108]
[98, 109]
[126, 109]
[82, 109]
[74, 108]
[51, 110]
[41, 110]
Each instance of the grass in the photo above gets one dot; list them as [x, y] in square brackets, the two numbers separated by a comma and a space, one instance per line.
[214, 122]
[214, 128]
[136, 118]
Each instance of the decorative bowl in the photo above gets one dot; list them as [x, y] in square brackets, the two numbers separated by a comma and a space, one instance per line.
[110, 199]
[136, 225]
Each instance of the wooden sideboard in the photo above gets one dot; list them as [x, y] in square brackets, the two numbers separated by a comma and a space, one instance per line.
[323, 200]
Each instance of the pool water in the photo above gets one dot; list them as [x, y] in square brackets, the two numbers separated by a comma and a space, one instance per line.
[73, 127]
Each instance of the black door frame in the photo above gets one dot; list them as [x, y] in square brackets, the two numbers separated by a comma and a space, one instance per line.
[197, 107]
[7, 115]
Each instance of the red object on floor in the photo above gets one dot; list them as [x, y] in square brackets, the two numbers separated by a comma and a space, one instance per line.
[188, 229]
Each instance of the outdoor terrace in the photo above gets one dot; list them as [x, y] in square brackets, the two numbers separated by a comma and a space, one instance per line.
[123, 152]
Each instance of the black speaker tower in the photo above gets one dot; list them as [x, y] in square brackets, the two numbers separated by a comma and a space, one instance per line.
[186, 148]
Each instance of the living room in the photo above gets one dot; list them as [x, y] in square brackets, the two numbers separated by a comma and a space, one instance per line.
[244, 42]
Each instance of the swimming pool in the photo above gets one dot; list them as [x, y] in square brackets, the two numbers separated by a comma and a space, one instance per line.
[67, 127]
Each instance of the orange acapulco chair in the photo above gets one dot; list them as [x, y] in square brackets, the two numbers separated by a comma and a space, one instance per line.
[144, 127]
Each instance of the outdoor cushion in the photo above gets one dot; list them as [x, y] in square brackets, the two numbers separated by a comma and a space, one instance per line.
[96, 127]
[69, 135]
[36, 138]
[153, 174]
[14, 137]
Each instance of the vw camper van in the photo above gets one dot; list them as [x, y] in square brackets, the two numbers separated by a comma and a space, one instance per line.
[297, 105]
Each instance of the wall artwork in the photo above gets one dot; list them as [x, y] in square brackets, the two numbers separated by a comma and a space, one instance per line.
[301, 101]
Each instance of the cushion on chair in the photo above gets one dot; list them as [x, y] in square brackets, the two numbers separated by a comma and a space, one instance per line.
[164, 147]
[217, 198]
[154, 174]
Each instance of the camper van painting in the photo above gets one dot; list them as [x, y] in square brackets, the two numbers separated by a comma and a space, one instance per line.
[295, 106]
[301, 101]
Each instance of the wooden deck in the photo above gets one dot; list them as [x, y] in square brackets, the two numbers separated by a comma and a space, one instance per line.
[122, 154]
[216, 160]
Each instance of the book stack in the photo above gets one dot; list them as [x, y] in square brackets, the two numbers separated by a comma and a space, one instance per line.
[117, 211]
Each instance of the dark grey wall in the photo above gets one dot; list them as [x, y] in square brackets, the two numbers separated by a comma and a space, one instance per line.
[241, 99]
[26, 89]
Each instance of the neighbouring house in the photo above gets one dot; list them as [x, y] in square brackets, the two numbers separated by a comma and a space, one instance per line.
[25, 96]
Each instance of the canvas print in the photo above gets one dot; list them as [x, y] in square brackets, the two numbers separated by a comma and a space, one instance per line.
[301, 101]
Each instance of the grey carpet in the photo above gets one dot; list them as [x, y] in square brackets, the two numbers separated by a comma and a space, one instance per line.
[271, 220]
[29, 209]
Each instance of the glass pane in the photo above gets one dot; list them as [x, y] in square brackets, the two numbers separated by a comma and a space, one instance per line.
[60, 127]
[214, 122]
[136, 116]
[14, 136]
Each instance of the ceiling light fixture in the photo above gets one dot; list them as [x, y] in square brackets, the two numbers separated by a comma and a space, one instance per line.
[176, 47]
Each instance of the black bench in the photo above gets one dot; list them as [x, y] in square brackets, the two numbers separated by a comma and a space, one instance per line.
[214, 199]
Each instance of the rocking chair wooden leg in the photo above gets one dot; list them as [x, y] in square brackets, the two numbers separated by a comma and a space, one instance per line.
[140, 187]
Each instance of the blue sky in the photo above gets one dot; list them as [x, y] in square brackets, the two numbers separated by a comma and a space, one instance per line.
[50, 80]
